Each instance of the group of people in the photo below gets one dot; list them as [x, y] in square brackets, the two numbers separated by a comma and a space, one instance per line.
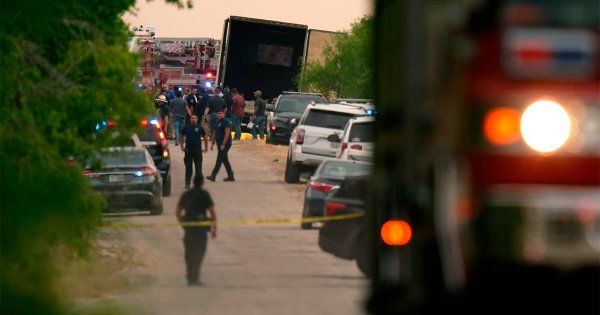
[200, 117]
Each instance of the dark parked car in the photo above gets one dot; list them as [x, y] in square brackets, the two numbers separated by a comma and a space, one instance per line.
[156, 142]
[285, 113]
[348, 238]
[128, 178]
[329, 174]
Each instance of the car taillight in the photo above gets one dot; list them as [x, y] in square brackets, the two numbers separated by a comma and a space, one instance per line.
[396, 232]
[165, 153]
[89, 173]
[146, 171]
[300, 137]
[356, 147]
[273, 128]
[332, 207]
[344, 146]
[324, 187]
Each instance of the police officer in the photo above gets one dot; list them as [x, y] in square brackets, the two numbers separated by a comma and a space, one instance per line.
[192, 147]
[192, 207]
[222, 136]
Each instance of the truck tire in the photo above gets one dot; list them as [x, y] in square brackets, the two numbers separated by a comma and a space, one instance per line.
[166, 191]
[363, 258]
[292, 172]
[305, 215]
[157, 209]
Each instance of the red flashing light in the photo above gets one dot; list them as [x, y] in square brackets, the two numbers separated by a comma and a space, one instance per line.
[396, 232]
[209, 75]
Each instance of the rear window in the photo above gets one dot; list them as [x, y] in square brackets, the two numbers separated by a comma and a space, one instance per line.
[123, 157]
[354, 188]
[362, 132]
[296, 104]
[149, 133]
[340, 170]
[327, 119]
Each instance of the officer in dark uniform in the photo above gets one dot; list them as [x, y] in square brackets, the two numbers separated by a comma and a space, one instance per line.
[192, 148]
[195, 205]
[222, 136]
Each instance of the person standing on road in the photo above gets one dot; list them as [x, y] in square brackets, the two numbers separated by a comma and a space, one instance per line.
[258, 118]
[215, 103]
[237, 113]
[179, 110]
[164, 112]
[222, 136]
[228, 101]
[192, 148]
[192, 207]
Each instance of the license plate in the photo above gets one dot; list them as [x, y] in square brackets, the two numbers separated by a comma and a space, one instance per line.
[116, 178]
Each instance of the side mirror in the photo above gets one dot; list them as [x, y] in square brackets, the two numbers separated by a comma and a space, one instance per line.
[294, 121]
[334, 138]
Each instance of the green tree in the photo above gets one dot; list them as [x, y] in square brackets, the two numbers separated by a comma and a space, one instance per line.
[65, 66]
[347, 66]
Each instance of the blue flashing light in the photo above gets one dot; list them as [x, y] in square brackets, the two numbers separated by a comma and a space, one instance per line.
[104, 123]
[98, 127]
[153, 121]
[208, 84]
[180, 89]
[371, 112]
[138, 173]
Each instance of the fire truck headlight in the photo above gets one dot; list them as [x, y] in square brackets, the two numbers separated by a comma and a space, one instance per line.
[545, 126]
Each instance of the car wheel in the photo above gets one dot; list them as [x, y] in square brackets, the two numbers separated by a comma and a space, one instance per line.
[166, 191]
[292, 172]
[305, 215]
[363, 258]
[157, 209]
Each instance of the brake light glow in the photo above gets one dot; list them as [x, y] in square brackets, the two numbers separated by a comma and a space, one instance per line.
[332, 207]
[545, 126]
[396, 232]
[300, 137]
[145, 122]
[165, 153]
[501, 126]
[324, 187]
[89, 173]
[146, 171]
[356, 147]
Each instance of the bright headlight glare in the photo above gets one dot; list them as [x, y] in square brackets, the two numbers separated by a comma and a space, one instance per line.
[545, 126]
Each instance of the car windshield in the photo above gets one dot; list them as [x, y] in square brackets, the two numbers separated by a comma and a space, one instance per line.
[362, 132]
[296, 104]
[339, 170]
[327, 119]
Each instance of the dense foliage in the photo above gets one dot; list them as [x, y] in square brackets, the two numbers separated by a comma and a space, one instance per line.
[347, 67]
[65, 66]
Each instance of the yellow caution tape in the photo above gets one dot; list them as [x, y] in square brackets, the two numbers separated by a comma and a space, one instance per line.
[235, 222]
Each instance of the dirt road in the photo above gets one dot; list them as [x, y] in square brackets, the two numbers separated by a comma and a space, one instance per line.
[248, 269]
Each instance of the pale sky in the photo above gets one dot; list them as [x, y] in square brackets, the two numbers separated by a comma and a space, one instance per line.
[207, 17]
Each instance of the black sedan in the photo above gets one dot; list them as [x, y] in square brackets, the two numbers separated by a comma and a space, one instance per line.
[329, 174]
[347, 238]
[128, 178]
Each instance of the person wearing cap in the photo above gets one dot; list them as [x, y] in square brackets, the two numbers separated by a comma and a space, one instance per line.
[164, 112]
[258, 117]
[222, 137]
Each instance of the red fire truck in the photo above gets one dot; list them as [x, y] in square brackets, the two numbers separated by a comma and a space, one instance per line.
[515, 205]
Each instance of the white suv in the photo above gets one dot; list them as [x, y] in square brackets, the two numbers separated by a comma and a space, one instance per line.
[357, 141]
[308, 142]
